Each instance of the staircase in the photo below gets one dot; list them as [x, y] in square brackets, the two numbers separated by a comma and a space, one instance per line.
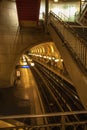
[73, 49]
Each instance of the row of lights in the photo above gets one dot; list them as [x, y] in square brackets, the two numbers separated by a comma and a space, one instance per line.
[47, 57]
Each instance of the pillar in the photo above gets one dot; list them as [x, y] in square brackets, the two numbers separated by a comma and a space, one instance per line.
[46, 13]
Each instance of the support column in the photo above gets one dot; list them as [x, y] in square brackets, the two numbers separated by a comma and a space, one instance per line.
[46, 13]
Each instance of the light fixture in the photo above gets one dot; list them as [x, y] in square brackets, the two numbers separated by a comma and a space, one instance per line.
[56, 60]
[55, 0]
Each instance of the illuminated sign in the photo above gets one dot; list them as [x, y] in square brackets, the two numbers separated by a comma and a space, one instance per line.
[22, 66]
[25, 66]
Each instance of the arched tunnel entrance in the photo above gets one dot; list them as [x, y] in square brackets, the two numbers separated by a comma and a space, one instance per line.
[47, 54]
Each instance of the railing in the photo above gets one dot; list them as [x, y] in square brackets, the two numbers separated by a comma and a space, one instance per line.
[83, 6]
[76, 45]
[80, 16]
[62, 125]
[83, 21]
[63, 17]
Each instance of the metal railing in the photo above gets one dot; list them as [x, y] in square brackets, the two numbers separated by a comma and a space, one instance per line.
[62, 125]
[63, 17]
[83, 21]
[80, 16]
[83, 6]
[76, 44]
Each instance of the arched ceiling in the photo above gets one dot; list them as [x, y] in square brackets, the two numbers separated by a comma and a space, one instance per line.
[47, 49]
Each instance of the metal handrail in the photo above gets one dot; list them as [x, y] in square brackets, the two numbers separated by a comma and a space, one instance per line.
[79, 17]
[63, 17]
[76, 44]
[63, 123]
[43, 115]
[83, 7]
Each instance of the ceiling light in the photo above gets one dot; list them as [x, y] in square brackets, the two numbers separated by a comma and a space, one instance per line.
[55, 0]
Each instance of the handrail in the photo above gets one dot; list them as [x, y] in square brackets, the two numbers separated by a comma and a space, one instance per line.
[63, 17]
[63, 123]
[80, 16]
[75, 43]
[68, 113]
[83, 7]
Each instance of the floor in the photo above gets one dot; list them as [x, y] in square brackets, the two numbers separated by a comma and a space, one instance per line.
[22, 98]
